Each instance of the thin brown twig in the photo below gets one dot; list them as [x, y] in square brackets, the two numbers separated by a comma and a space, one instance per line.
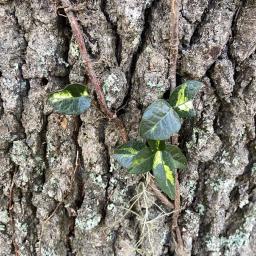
[77, 32]
[164, 200]
[95, 82]
[174, 46]
[175, 227]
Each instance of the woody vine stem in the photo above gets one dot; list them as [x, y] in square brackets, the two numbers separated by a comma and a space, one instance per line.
[96, 86]
[174, 44]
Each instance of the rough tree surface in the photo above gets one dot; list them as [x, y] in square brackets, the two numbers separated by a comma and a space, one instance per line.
[61, 192]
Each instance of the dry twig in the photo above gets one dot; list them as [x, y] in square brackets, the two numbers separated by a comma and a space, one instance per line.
[174, 44]
[164, 200]
[95, 82]
[97, 86]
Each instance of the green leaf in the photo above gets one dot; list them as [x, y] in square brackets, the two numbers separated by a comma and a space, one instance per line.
[142, 162]
[182, 97]
[159, 121]
[156, 145]
[125, 153]
[164, 172]
[72, 100]
[179, 160]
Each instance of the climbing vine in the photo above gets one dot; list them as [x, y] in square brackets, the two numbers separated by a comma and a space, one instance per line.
[160, 121]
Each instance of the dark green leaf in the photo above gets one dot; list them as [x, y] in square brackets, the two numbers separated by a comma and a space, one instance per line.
[125, 153]
[182, 97]
[142, 162]
[72, 100]
[156, 145]
[159, 121]
[164, 172]
[180, 161]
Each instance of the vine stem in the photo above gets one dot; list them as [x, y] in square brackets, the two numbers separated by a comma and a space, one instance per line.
[95, 82]
[77, 32]
[174, 47]
[175, 226]
[164, 200]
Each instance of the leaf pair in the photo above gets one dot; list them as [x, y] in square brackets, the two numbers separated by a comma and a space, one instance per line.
[72, 100]
[162, 159]
[162, 119]
[159, 122]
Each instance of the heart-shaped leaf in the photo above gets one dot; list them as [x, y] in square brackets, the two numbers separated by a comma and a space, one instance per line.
[179, 160]
[182, 97]
[72, 100]
[125, 153]
[159, 121]
[164, 172]
[142, 162]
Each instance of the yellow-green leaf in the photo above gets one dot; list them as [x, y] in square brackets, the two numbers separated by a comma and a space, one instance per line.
[182, 97]
[142, 162]
[156, 145]
[179, 160]
[125, 153]
[72, 100]
[164, 172]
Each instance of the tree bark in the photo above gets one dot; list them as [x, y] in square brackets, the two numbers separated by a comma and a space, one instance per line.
[61, 192]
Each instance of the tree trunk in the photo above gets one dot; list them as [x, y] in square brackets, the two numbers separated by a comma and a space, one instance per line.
[61, 192]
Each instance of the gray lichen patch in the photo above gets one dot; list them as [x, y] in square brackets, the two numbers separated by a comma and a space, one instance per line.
[42, 54]
[129, 20]
[151, 84]
[88, 222]
[20, 154]
[223, 77]
[244, 43]
[87, 212]
[213, 35]
[4, 218]
[115, 88]
[28, 165]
